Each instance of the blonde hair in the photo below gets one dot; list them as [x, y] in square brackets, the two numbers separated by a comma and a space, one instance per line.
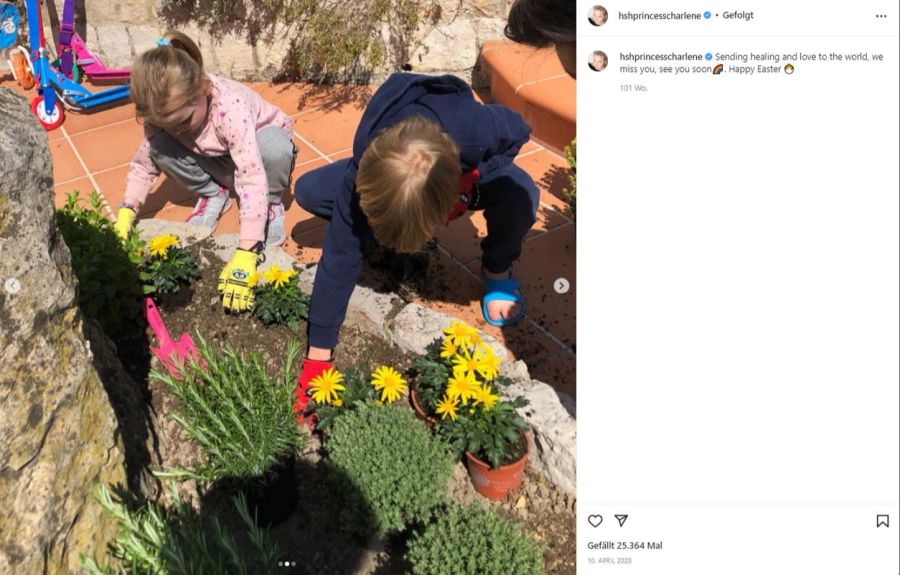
[166, 78]
[408, 182]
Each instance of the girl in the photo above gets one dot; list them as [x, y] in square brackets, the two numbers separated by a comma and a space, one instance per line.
[212, 135]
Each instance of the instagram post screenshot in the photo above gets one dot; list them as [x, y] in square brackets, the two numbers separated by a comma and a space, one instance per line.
[288, 286]
[739, 369]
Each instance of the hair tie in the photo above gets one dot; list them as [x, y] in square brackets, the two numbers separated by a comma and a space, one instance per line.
[163, 42]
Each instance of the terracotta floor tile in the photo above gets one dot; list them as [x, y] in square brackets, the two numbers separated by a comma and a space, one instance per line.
[65, 164]
[329, 131]
[303, 98]
[297, 220]
[78, 122]
[229, 223]
[304, 152]
[526, 342]
[451, 290]
[462, 237]
[551, 173]
[544, 259]
[109, 146]
[112, 185]
[559, 372]
[305, 247]
[81, 185]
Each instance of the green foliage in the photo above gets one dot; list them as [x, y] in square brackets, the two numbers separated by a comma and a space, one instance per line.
[165, 275]
[397, 469]
[284, 305]
[569, 191]
[430, 379]
[109, 288]
[242, 419]
[492, 435]
[157, 541]
[358, 390]
[474, 539]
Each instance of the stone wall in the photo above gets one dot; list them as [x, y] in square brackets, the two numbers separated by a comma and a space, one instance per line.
[117, 31]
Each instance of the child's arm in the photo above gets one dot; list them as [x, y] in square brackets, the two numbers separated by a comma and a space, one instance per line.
[141, 176]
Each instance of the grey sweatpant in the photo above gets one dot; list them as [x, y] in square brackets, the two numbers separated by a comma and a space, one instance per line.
[204, 175]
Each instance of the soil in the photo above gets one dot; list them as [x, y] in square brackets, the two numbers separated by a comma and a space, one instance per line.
[312, 539]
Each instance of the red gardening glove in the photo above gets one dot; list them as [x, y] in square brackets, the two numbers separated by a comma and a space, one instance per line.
[311, 369]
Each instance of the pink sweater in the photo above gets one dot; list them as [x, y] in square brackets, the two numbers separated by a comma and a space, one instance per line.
[236, 113]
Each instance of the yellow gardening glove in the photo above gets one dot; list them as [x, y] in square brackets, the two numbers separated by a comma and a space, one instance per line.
[234, 281]
[124, 221]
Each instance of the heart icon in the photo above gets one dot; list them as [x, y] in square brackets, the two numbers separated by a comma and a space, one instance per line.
[595, 520]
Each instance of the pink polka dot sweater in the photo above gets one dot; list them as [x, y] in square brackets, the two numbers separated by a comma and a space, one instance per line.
[236, 113]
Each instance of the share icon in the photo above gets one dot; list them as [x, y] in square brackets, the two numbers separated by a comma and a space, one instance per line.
[621, 519]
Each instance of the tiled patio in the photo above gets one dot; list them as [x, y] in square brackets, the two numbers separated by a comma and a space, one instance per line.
[93, 151]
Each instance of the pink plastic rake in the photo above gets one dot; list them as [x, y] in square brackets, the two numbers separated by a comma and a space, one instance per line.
[171, 353]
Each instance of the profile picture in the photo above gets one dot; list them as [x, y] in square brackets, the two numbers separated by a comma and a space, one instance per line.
[598, 15]
[598, 61]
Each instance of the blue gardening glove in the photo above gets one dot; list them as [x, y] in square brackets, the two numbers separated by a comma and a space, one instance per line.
[124, 221]
[236, 281]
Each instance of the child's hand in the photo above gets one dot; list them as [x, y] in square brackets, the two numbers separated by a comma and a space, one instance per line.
[124, 221]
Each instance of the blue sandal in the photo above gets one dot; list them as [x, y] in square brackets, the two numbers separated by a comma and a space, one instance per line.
[502, 290]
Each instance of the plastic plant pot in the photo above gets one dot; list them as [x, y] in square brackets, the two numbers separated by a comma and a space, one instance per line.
[496, 483]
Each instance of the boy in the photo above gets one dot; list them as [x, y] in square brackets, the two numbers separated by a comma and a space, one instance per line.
[424, 153]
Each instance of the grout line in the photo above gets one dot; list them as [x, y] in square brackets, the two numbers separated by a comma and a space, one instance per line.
[97, 128]
[556, 211]
[314, 149]
[539, 327]
[530, 153]
[85, 168]
[350, 149]
[548, 232]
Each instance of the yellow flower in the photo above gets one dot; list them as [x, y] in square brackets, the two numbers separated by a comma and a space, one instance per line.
[465, 362]
[326, 386]
[279, 277]
[461, 385]
[459, 333]
[253, 279]
[337, 402]
[389, 382]
[485, 396]
[448, 349]
[446, 407]
[488, 363]
[159, 246]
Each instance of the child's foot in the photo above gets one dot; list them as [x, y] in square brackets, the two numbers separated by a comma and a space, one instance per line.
[502, 303]
[275, 225]
[209, 209]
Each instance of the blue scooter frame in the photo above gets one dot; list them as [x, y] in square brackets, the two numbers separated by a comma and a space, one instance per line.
[53, 87]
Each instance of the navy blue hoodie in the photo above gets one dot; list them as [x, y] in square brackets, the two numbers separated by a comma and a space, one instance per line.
[489, 138]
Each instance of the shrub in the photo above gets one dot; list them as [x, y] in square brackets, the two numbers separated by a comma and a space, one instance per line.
[474, 540]
[168, 266]
[109, 288]
[241, 418]
[157, 541]
[569, 191]
[397, 470]
[279, 300]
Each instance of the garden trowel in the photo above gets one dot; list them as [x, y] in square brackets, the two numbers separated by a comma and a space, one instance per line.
[170, 353]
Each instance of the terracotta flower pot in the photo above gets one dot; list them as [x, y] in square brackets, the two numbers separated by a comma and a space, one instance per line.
[496, 483]
[429, 421]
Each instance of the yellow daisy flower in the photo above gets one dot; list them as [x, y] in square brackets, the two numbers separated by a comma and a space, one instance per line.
[448, 349]
[279, 277]
[446, 407]
[159, 246]
[253, 279]
[488, 364]
[461, 385]
[465, 362]
[389, 382]
[326, 386]
[485, 396]
[459, 333]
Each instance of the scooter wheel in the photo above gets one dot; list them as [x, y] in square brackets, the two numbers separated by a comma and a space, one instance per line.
[49, 121]
[21, 69]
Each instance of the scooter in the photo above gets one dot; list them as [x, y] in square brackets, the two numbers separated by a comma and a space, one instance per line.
[74, 56]
[55, 89]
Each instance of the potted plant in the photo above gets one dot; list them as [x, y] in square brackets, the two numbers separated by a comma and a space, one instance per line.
[243, 422]
[278, 300]
[335, 393]
[167, 267]
[458, 385]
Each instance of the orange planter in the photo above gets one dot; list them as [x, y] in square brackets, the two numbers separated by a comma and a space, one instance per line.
[496, 483]
[429, 421]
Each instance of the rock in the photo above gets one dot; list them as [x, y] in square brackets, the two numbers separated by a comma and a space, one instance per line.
[59, 429]
[367, 305]
[188, 233]
[416, 326]
[521, 502]
[274, 255]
